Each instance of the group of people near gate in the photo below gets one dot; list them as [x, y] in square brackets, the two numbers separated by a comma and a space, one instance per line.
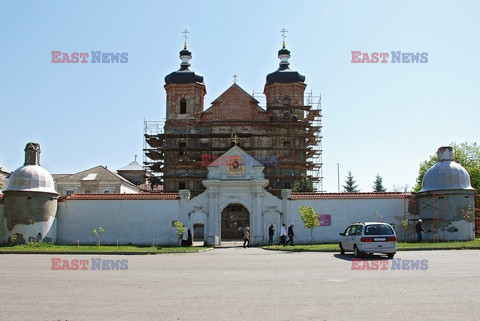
[284, 232]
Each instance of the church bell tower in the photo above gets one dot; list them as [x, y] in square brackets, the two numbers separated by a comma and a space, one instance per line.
[185, 89]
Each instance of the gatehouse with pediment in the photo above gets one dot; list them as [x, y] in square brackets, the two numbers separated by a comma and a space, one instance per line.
[235, 198]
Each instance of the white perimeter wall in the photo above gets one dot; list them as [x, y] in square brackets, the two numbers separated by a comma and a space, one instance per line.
[140, 222]
[344, 212]
[2, 225]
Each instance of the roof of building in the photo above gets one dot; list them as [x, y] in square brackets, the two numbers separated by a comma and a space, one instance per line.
[98, 173]
[31, 178]
[284, 74]
[446, 174]
[133, 166]
[123, 197]
[184, 75]
[325, 196]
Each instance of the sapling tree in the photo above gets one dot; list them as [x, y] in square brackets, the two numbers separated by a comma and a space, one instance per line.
[309, 218]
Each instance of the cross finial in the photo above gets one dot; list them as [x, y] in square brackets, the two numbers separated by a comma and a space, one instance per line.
[135, 157]
[235, 139]
[185, 36]
[235, 78]
[283, 32]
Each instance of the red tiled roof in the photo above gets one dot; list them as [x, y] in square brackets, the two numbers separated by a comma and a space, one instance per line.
[327, 196]
[121, 197]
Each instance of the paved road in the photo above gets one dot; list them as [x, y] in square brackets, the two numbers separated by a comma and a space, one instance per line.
[242, 284]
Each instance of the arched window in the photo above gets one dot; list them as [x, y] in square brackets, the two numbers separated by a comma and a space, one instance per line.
[286, 101]
[183, 106]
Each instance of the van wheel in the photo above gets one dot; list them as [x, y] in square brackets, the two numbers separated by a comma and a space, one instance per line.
[390, 255]
[342, 250]
[356, 251]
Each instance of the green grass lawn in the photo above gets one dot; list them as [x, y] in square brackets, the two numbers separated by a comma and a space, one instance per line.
[401, 246]
[51, 248]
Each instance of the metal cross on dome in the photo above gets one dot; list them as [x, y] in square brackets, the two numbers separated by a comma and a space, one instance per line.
[185, 36]
[283, 32]
[235, 78]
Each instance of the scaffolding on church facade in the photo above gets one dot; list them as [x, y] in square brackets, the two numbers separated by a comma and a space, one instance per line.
[297, 142]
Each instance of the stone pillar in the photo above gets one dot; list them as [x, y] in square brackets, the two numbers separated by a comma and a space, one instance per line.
[213, 219]
[286, 194]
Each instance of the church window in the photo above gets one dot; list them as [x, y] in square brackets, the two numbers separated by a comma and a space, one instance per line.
[70, 192]
[286, 101]
[182, 146]
[88, 191]
[286, 143]
[183, 106]
[287, 185]
[182, 185]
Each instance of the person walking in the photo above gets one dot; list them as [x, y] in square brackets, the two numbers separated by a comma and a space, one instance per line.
[290, 234]
[246, 237]
[283, 234]
[419, 229]
[271, 233]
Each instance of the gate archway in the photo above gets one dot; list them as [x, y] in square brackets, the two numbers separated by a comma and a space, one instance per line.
[235, 217]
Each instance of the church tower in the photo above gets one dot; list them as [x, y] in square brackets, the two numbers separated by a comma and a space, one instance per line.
[284, 88]
[185, 89]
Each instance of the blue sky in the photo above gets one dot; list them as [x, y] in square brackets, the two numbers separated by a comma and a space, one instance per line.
[378, 118]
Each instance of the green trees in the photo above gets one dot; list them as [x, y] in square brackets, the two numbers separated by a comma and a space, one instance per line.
[350, 184]
[378, 184]
[309, 218]
[468, 155]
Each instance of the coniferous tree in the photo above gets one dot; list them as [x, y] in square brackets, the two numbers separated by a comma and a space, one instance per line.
[378, 184]
[350, 186]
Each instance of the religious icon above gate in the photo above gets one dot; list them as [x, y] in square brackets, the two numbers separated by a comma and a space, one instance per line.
[235, 165]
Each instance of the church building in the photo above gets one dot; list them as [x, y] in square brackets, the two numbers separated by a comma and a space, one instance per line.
[284, 136]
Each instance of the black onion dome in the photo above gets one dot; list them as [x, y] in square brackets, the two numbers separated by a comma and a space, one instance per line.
[184, 75]
[284, 51]
[284, 74]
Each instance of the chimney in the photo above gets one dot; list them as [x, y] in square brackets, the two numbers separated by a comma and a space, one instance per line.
[445, 153]
[32, 154]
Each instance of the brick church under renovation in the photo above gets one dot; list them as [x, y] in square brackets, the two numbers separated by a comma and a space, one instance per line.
[284, 136]
[220, 170]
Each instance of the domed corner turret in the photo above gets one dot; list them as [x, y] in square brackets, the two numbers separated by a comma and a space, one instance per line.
[446, 174]
[31, 177]
[30, 201]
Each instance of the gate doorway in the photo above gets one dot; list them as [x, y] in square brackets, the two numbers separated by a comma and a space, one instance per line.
[235, 217]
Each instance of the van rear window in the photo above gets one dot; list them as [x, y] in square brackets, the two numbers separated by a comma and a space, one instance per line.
[378, 229]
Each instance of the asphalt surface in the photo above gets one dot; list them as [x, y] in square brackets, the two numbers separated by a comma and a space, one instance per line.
[243, 284]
